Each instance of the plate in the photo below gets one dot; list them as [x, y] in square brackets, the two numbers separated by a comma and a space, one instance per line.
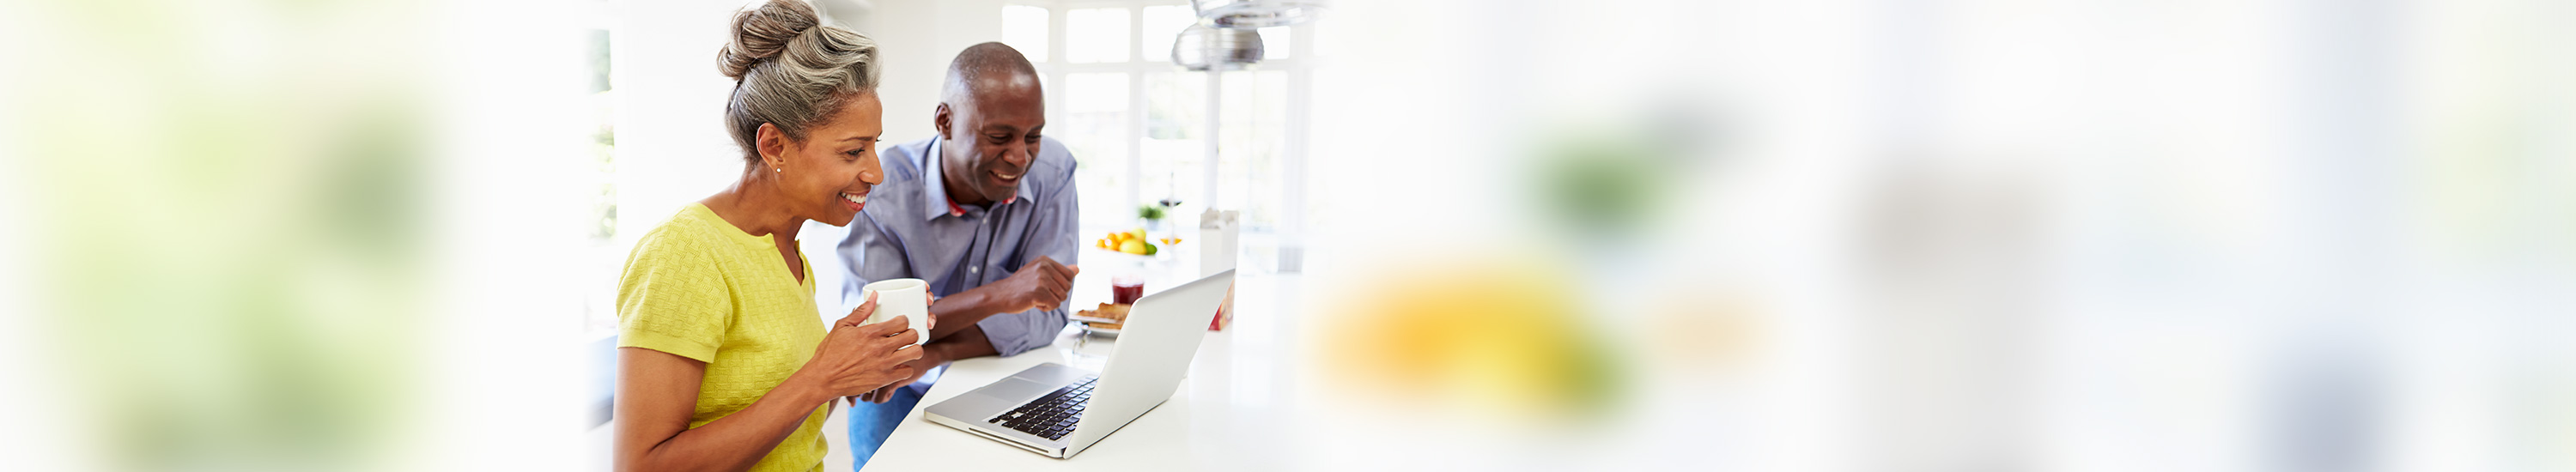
[1087, 329]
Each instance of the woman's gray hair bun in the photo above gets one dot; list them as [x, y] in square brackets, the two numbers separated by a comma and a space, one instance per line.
[790, 70]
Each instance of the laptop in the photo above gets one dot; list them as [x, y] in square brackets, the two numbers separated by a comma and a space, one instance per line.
[1058, 411]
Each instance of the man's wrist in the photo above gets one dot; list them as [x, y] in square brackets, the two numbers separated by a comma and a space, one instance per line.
[998, 301]
[978, 303]
[936, 352]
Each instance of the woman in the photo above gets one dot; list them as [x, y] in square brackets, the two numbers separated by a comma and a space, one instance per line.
[721, 362]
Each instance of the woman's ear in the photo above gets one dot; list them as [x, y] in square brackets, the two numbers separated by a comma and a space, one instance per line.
[773, 146]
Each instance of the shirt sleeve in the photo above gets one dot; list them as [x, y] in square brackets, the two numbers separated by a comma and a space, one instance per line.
[671, 298]
[1053, 229]
[872, 253]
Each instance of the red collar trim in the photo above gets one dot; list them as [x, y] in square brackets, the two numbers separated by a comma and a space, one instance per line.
[954, 210]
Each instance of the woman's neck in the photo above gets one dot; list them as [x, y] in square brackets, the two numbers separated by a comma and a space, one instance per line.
[755, 206]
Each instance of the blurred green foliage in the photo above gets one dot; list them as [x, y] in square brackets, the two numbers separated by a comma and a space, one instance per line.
[1604, 184]
[234, 226]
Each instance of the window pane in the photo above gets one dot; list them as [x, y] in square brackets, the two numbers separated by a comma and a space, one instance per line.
[1174, 145]
[1087, 93]
[1322, 43]
[1253, 144]
[1094, 127]
[1163, 25]
[1176, 105]
[1025, 28]
[1096, 35]
[1275, 43]
[1320, 156]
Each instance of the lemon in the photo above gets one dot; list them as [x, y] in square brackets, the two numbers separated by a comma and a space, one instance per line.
[1133, 247]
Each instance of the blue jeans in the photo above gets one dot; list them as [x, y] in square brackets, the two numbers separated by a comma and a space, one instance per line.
[870, 423]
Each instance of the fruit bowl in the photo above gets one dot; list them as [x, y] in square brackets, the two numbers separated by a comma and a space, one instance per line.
[1136, 242]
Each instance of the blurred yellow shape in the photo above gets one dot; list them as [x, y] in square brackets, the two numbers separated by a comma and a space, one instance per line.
[1492, 341]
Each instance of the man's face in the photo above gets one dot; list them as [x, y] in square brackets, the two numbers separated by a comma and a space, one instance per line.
[988, 142]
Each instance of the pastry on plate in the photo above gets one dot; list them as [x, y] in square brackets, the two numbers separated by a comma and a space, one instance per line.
[1108, 311]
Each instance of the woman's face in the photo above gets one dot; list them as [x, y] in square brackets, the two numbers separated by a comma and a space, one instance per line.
[828, 174]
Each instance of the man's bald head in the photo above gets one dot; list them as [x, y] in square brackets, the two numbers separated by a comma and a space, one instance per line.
[983, 67]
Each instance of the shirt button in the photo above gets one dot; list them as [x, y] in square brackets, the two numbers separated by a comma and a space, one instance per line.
[973, 269]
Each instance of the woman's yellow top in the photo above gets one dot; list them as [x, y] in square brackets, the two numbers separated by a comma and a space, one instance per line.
[700, 288]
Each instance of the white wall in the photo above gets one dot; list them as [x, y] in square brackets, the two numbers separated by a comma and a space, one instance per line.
[671, 144]
[917, 38]
[672, 147]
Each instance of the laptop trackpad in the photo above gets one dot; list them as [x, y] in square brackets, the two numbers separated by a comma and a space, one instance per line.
[984, 403]
[1052, 374]
[1017, 390]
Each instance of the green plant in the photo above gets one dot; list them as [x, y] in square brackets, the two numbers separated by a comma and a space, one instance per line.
[1150, 212]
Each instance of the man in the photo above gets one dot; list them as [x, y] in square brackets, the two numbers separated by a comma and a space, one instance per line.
[985, 212]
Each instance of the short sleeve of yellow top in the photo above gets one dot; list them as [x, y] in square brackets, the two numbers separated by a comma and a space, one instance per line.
[700, 288]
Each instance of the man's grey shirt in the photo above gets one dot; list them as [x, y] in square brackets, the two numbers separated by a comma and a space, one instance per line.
[911, 230]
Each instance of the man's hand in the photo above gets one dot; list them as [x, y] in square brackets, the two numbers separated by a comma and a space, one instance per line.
[1043, 284]
[930, 300]
[929, 358]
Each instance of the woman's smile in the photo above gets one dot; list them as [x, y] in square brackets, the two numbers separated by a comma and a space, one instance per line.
[854, 201]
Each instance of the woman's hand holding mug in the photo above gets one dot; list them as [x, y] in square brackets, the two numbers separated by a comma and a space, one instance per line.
[856, 358]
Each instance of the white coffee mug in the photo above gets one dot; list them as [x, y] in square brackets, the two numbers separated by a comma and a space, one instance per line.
[901, 297]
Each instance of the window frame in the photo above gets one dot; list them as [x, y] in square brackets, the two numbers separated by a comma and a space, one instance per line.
[1146, 59]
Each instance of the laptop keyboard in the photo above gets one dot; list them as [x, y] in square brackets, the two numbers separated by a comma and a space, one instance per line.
[1051, 416]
